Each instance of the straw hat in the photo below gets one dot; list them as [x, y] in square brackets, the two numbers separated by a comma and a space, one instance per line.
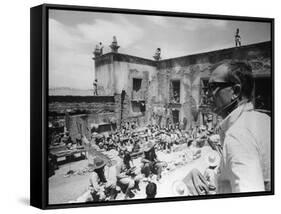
[180, 188]
[213, 159]
[149, 145]
[98, 162]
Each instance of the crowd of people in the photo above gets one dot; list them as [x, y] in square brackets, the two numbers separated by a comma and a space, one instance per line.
[114, 171]
[110, 156]
[130, 138]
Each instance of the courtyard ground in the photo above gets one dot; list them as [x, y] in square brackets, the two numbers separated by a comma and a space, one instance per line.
[63, 189]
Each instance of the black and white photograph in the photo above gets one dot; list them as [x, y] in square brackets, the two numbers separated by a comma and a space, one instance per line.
[149, 106]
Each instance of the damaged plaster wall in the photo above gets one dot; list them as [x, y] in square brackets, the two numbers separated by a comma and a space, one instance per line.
[116, 73]
[126, 71]
[165, 76]
[104, 73]
[191, 69]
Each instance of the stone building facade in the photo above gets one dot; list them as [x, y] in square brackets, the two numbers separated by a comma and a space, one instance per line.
[173, 89]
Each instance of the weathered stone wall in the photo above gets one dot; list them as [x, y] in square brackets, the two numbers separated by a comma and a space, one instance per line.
[191, 69]
[115, 72]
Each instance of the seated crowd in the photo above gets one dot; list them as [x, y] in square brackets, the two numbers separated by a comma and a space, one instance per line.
[118, 174]
[114, 171]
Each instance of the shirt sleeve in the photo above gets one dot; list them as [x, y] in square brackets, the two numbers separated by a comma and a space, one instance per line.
[243, 161]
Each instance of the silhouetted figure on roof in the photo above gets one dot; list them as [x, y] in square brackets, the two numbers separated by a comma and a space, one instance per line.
[98, 50]
[101, 48]
[237, 38]
[95, 84]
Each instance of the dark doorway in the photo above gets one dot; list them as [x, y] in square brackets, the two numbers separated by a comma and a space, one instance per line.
[138, 106]
[175, 91]
[175, 114]
[136, 84]
[262, 93]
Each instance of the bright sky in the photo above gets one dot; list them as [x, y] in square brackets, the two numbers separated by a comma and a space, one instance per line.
[74, 34]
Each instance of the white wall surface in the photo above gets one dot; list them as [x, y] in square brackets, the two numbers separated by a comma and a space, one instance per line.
[122, 72]
[14, 108]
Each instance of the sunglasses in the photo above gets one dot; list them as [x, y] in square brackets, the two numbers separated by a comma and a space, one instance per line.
[212, 86]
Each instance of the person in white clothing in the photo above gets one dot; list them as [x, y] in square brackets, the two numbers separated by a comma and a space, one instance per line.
[244, 132]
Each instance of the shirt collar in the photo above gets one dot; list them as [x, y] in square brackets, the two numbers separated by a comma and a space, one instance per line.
[235, 114]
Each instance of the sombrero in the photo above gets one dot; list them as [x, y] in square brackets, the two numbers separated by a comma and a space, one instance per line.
[213, 159]
[180, 188]
[98, 162]
[149, 145]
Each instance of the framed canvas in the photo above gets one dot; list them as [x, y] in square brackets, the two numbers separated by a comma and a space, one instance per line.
[133, 106]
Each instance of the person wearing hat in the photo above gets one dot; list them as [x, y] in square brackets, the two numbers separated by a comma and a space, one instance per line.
[168, 142]
[162, 138]
[151, 164]
[111, 189]
[127, 159]
[127, 179]
[103, 178]
[213, 161]
[97, 178]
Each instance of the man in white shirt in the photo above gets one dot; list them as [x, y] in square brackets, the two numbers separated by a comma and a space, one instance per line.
[244, 132]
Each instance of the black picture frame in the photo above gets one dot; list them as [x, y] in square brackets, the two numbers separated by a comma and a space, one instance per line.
[39, 103]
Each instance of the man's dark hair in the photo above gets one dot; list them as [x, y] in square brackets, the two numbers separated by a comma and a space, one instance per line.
[240, 72]
[151, 190]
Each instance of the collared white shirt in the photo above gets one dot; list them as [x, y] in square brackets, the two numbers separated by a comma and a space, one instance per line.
[246, 140]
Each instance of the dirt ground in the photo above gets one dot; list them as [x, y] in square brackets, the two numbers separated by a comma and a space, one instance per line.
[64, 189]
